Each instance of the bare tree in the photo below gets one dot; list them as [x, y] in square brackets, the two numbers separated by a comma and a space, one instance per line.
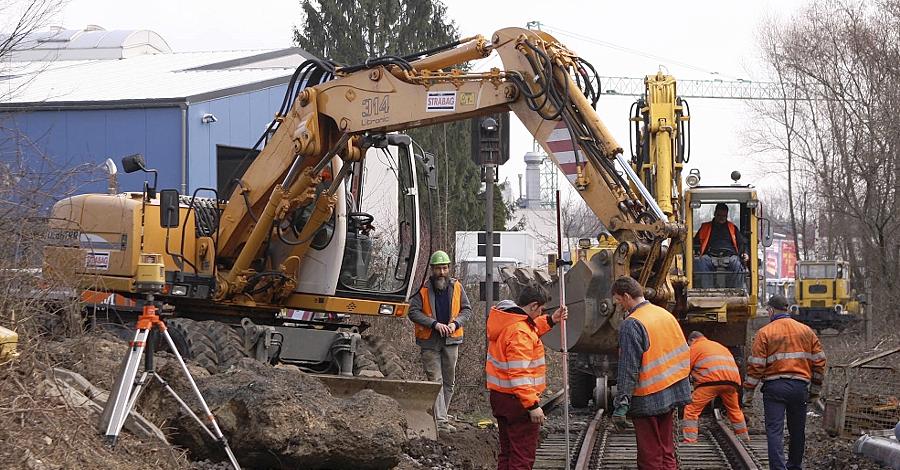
[20, 21]
[839, 59]
[576, 218]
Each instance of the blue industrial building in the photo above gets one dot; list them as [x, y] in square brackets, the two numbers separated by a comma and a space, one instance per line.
[78, 97]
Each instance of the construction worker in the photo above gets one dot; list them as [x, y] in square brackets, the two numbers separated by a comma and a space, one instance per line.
[515, 373]
[787, 358]
[654, 364]
[714, 374]
[438, 311]
[719, 238]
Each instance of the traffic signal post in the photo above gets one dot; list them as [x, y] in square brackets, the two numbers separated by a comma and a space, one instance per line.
[490, 147]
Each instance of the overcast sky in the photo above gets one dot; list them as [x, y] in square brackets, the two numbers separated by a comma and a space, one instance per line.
[691, 40]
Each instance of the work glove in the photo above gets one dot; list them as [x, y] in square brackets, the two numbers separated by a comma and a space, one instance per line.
[619, 420]
[747, 401]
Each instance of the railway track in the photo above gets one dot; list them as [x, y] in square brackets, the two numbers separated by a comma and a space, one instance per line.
[595, 444]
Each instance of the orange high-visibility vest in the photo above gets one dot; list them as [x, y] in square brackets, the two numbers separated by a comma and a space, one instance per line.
[786, 349]
[424, 332]
[668, 360]
[712, 362]
[706, 230]
[515, 358]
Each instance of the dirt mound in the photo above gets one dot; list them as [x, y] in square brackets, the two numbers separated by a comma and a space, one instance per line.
[469, 448]
[272, 417]
[283, 418]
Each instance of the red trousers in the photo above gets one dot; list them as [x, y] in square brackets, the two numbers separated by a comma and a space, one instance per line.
[518, 435]
[655, 442]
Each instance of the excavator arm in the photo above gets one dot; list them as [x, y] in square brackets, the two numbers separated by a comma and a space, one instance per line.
[544, 83]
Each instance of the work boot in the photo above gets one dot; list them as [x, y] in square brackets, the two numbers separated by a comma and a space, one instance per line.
[689, 441]
[446, 427]
[744, 437]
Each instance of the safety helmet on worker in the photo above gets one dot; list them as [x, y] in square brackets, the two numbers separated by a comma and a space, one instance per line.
[439, 258]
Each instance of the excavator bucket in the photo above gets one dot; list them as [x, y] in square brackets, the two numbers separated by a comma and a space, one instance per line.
[416, 398]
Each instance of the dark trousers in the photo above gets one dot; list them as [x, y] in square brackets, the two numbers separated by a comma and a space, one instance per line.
[518, 435]
[705, 271]
[655, 442]
[785, 397]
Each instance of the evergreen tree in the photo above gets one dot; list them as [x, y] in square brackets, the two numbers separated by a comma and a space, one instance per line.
[350, 31]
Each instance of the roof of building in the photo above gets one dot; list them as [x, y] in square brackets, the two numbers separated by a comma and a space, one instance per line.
[145, 76]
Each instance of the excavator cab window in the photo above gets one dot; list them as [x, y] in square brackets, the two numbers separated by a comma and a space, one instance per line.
[718, 260]
[382, 229]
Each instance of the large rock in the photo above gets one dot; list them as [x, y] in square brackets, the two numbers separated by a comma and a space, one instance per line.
[283, 418]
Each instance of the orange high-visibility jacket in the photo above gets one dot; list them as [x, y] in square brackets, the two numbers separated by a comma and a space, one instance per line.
[424, 332]
[515, 358]
[706, 230]
[786, 349]
[668, 360]
[713, 363]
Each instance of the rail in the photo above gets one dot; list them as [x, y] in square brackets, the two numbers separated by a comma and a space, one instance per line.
[597, 445]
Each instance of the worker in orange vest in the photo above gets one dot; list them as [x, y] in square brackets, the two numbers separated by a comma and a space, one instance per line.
[438, 311]
[719, 238]
[715, 374]
[787, 358]
[515, 373]
[654, 364]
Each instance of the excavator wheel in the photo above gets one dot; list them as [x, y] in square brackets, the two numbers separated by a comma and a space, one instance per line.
[228, 342]
[364, 362]
[215, 346]
[387, 360]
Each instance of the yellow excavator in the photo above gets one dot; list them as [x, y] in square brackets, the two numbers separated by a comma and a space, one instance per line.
[311, 229]
[716, 297]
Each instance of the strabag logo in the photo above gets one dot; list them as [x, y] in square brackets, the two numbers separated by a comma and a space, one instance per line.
[97, 260]
[440, 101]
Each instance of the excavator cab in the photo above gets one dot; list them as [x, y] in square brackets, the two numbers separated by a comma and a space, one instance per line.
[382, 212]
[721, 274]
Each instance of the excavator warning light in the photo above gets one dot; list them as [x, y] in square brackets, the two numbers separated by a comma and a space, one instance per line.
[693, 179]
[735, 175]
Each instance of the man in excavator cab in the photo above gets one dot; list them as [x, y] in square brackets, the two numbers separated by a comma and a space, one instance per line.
[722, 248]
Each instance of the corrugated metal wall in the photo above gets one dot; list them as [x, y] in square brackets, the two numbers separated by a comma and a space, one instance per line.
[241, 119]
[55, 140]
[71, 138]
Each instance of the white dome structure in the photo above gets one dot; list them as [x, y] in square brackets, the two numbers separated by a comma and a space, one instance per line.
[91, 43]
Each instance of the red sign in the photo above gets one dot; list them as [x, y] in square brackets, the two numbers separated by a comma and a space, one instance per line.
[788, 259]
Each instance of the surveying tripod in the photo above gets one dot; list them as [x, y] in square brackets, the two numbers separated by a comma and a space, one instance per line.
[126, 390]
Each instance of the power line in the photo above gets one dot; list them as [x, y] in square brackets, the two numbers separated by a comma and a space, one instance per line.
[610, 45]
[632, 86]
